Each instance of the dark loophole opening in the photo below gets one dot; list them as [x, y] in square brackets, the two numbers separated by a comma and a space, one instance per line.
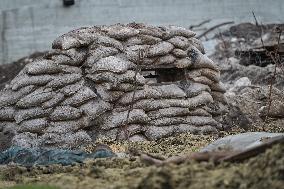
[163, 75]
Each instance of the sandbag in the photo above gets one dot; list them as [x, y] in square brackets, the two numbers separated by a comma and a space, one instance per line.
[71, 89]
[154, 132]
[168, 112]
[214, 86]
[68, 126]
[120, 32]
[7, 113]
[26, 80]
[191, 120]
[98, 53]
[132, 52]
[179, 42]
[206, 72]
[116, 119]
[150, 30]
[107, 95]
[112, 64]
[66, 140]
[33, 126]
[177, 112]
[56, 99]
[74, 39]
[179, 53]
[71, 57]
[129, 131]
[205, 129]
[83, 95]
[115, 79]
[31, 113]
[160, 49]
[183, 63]
[63, 80]
[200, 60]
[142, 39]
[26, 140]
[8, 97]
[43, 67]
[172, 31]
[62, 113]
[70, 69]
[108, 42]
[197, 44]
[151, 104]
[164, 60]
[154, 92]
[36, 98]
[193, 89]
[95, 108]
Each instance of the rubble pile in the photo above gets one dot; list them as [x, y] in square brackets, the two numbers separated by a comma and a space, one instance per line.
[246, 55]
[119, 82]
[266, 49]
[248, 50]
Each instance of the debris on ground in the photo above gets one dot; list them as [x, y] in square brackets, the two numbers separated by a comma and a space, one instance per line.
[254, 91]
[247, 50]
[228, 149]
[132, 173]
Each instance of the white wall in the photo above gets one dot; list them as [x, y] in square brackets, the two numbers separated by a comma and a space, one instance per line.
[31, 25]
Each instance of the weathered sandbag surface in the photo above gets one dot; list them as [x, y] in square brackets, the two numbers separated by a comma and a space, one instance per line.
[101, 81]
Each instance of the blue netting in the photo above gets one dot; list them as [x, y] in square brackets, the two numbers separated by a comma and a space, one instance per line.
[38, 156]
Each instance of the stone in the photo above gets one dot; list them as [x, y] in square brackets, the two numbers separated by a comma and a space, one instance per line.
[239, 142]
[240, 83]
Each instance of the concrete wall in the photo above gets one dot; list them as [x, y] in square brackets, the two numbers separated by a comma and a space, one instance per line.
[27, 26]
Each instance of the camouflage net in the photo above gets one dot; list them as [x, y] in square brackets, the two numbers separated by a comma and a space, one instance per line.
[134, 81]
[36, 156]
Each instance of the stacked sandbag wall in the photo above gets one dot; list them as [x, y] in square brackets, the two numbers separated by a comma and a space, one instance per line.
[92, 86]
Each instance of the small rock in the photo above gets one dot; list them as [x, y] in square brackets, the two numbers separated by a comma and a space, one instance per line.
[240, 83]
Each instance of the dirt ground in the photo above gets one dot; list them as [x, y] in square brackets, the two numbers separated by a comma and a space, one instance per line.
[263, 171]
[245, 103]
